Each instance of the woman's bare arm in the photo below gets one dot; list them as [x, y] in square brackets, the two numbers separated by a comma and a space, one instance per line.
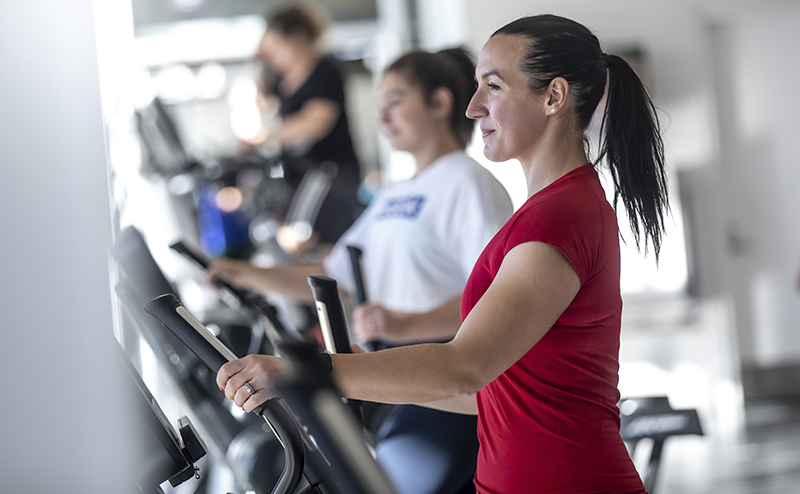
[465, 405]
[534, 285]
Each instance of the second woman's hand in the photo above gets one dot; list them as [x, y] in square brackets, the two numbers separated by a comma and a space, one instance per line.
[226, 270]
[372, 322]
[248, 380]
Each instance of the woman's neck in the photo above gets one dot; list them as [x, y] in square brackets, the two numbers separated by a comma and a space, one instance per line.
[552, 161]
[299, 72]
[433, 149]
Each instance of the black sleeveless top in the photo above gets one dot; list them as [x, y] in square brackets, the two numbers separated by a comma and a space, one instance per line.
[326, 82]
[341, 206]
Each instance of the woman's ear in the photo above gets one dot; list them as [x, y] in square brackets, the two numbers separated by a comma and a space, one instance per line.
[557, 95]
[441, 102]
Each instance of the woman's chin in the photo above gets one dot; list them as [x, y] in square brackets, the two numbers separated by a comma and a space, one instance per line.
[492, 155]
[399, 145]
[496, 156]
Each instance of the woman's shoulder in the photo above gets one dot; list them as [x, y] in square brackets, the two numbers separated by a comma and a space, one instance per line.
[576, 202]
[328, 66]
[580, 187]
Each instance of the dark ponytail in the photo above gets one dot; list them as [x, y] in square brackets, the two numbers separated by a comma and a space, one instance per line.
[630, 137]
[632, 147]
[452, 69]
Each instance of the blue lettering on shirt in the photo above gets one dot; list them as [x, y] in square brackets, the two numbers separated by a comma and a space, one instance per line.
[402, 207]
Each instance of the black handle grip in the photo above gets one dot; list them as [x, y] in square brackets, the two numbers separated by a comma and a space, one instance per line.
[358, 274]
[331, 314]
[333, 324]
[196, 257]
[202, 342]
[203, 263]
[361, 289]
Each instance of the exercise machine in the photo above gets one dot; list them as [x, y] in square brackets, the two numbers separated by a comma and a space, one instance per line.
[339, 460]
[237, 442]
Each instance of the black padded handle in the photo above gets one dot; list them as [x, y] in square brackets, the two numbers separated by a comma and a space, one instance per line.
[333, 324]
[358, 274]
[174, 316]
[192, 254]
[331, 314]
[361, 289]
[203, 262]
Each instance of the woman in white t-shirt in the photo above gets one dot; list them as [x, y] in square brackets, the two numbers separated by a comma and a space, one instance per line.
[420, 238]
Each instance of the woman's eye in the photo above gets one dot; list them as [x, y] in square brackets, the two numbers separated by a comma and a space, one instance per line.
[492, 86]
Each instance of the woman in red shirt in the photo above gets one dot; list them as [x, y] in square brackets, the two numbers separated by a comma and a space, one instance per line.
[536, 356]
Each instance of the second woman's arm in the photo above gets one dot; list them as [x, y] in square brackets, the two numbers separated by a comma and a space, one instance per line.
[373, 322]
[290, 280]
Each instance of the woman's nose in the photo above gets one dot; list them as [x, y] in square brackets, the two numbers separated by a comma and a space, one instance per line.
[475, 109]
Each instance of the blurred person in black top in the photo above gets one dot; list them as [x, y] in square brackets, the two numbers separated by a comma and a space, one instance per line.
[309, 89]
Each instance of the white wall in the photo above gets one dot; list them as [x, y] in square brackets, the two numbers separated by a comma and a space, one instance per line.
[63, 426]
[757, 73]
[442, 24]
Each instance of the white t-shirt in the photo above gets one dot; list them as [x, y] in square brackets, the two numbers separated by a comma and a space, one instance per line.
[420, 237]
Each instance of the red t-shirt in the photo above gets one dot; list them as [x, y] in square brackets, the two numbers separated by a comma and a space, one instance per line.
[550, 423]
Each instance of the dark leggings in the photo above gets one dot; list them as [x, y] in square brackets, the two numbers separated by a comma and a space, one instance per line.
[425, 451]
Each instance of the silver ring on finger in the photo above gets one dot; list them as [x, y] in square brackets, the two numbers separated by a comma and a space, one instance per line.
[249, 388]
